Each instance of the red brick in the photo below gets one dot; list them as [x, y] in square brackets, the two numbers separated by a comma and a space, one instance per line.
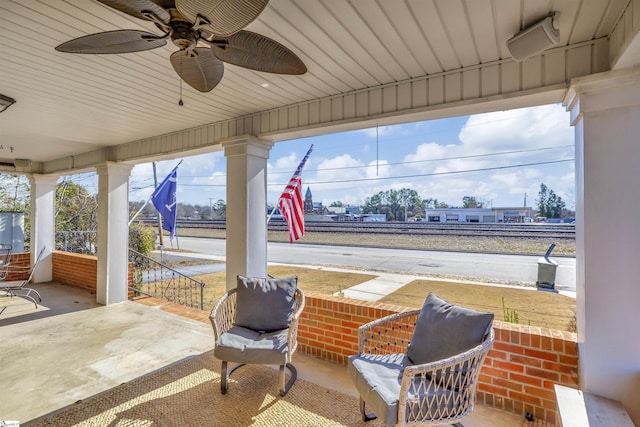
[510, 348]
[557, 367]
[544, 394]
[495, 372]
[524, 360]
[553, 376]
[510, 385]
[525, 379]
[493, 389]
[497, 354]
[553, 357]
[512, 367]
[521, 397]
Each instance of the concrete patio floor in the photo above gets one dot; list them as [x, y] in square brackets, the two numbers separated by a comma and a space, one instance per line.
[71, 348]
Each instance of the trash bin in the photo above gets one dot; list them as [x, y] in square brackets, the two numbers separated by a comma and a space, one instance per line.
[547, 270]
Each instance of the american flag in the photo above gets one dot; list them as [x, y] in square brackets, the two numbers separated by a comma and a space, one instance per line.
[291, 204]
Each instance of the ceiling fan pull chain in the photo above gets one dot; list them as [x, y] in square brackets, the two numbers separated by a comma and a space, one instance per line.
[180, 103]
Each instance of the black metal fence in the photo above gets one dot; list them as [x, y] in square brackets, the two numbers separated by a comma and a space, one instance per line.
[155, 279]
[79, 242]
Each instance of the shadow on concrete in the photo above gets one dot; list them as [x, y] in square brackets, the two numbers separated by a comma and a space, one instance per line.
[57, 299]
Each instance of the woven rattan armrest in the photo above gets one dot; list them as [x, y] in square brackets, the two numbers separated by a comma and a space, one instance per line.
[223, 314]
[389, 334]
[292, 338]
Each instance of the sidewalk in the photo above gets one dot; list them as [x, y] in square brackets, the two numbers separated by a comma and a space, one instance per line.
[371, 290]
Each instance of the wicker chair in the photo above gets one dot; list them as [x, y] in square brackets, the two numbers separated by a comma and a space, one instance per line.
[400, 392]
[244, 345]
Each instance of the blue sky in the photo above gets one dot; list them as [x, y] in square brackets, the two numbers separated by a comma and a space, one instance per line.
[496, 157]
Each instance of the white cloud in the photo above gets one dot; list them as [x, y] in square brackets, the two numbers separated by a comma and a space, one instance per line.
[423, 156]
[378, 132]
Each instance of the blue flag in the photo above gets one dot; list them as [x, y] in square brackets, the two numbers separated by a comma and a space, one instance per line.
[164, 199]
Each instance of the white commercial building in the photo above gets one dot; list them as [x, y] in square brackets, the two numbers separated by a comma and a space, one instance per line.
[485, 215]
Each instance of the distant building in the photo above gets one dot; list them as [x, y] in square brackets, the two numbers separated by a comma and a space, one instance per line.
[337, 213]
[374, 217]
[484, 215]
[308, 201]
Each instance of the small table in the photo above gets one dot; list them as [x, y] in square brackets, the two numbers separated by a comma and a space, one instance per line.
[577, 408]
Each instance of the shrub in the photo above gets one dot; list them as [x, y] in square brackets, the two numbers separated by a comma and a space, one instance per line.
[142, 238]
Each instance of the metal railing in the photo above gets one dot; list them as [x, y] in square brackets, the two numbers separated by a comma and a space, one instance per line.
[157, 280]
[79, 242]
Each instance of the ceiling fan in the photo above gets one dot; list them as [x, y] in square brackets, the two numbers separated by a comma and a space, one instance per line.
[206, 32]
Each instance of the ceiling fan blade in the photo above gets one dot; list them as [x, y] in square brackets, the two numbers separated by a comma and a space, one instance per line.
[225, 16]
[119, 41]
[143, 9]
[257, 52]
[200, 69]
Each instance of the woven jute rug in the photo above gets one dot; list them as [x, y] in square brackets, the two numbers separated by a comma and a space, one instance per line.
[188, 394]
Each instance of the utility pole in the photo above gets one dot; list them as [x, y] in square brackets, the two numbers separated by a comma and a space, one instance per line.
[210, 207]
[525, 200]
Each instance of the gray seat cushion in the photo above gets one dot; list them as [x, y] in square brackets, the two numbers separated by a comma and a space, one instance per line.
[444, 330]
[244, 345]
[265, 304]
[378, 379]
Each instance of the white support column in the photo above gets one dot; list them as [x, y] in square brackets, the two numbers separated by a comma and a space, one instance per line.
[113, 232]
[605, 110]
[43, 225]
[246, 207]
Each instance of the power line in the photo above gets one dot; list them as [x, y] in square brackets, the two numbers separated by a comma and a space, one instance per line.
[405, 176]
[436, 160]
[408, 162]
[437, 173]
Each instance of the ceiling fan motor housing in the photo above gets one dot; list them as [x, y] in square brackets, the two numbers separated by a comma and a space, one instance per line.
[182, 35]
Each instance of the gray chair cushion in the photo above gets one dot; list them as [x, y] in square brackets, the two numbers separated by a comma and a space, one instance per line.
[265, 304]
[244, 345]
[378, 379]
[444, 330]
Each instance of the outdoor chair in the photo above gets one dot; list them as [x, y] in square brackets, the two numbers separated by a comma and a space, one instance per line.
[18, 287]
[257, 323]
[5, 254]
[421, 367]
[5, 259]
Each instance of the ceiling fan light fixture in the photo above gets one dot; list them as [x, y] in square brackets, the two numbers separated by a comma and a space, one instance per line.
[534, 39]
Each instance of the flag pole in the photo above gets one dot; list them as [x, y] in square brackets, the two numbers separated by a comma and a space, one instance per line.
[139, 210]
[273, 210]
[155, 185]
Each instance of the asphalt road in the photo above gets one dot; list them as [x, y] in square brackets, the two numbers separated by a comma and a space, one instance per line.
[521, 268]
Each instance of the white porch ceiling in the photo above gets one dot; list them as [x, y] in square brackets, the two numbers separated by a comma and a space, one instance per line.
[72, 106]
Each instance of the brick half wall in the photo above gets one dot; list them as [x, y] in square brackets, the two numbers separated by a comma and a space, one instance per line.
[518, 374]
[81, 271]
[21, 260]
